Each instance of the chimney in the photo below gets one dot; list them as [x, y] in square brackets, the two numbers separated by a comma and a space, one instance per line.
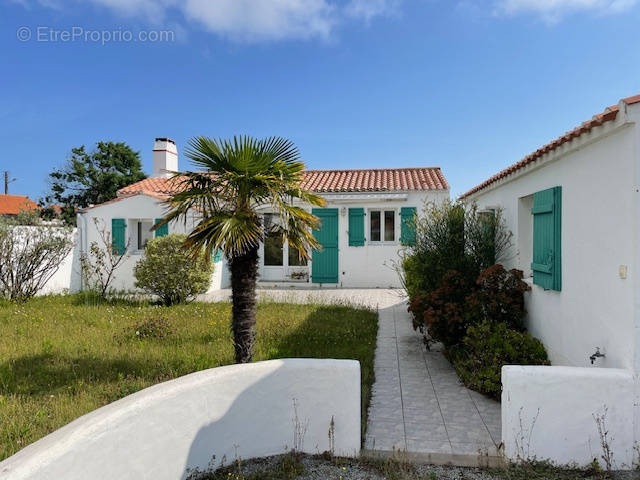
[165, 157]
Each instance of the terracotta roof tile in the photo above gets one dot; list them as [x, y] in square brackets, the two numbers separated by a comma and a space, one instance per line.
[331, 181]
[609, 114]
[13, 204]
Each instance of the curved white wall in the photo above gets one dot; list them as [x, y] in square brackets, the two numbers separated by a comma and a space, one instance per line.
[198, 420]
[549, 413]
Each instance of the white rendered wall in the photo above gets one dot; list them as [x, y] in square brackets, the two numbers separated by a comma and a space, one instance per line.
[549, 413]
[372, 266]
[599, 193]
[136, 207]
[201, 420]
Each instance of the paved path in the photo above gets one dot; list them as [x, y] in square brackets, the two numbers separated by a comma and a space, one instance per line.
[418, 403]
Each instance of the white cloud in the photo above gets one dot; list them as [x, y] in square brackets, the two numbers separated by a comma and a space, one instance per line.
[368, 9]
[553, 10]
[247, 20]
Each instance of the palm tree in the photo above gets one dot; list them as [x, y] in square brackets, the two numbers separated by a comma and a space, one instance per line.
[239, 179]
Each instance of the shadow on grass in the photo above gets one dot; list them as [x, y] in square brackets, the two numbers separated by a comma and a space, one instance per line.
[45, 373]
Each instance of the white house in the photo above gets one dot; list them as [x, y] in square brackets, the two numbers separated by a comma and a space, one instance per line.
[365, 223]
[574, 209]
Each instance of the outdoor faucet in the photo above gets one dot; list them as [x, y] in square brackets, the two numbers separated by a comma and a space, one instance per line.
[596, 355]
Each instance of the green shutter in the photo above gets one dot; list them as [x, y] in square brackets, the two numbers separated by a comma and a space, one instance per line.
[408, 226]
[118, 243]
[356, 227]
[547, 238]
[216, 255]
[163, 230]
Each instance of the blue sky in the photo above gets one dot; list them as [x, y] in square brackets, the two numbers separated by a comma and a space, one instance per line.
[469, 85]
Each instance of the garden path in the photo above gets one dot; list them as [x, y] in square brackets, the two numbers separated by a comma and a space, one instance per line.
[418, 403]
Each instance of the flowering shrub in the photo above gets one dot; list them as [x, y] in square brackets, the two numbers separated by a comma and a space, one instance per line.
[499, 297]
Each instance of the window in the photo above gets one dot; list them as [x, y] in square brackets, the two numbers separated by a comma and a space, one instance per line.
[273, 250]
[389, 226]
[295, 260]
[144, 233]
[375, 226]
[382, 225]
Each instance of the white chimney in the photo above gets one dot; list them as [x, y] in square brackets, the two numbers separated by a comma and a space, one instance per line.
[165, 157]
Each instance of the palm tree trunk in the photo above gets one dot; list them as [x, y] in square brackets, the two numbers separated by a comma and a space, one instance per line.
[244, 274]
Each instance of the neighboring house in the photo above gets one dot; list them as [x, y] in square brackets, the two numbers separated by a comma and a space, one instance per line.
[367, 219]
[12, 205]
[574, 209]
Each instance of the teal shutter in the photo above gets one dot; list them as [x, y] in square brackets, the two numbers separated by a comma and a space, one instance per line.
[356, 227]
[118, 243]
[216, 255]
[408, 226]
[163, 230]
[547, 238]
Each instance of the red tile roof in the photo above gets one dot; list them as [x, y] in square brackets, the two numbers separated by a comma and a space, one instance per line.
[13, 204]
[332, 181]
[608, 115]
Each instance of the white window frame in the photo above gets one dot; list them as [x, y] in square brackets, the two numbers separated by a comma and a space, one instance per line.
[382, 241]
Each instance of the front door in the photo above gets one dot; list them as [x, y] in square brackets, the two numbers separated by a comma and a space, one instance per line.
[324, 267]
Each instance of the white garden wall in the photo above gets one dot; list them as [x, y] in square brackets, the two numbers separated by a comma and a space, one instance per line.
[549, 413]
[204, 419]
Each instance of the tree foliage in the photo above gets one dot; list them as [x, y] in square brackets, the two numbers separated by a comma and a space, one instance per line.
[237, 181]
[172, 273]
[90, 178]
[29, 257]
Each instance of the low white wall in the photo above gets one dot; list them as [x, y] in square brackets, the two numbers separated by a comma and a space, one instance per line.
[201, 420]
[548, 414]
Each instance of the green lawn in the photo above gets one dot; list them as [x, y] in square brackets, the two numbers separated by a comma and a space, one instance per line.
[61, 357]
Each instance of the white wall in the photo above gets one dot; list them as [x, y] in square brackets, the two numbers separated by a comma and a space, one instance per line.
[373, 265]
[359, 267]
[548, 414]
[136, 207]
[201, 420]
[599, 191]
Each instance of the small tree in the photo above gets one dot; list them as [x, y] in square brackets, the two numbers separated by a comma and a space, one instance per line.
[171, 272]
[100, 263]
[29, 257]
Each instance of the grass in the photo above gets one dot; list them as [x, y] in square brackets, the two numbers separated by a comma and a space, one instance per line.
[64, 356]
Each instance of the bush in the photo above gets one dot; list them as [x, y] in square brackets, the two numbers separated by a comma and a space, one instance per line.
[499, 297]
[486, 348]
[445, 315]
[170, 272]
[29, 257]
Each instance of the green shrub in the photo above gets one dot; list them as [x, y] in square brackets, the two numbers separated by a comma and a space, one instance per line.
[451, 236]
[486, 348]
[445, 315]
[499, 297]
[170, 272]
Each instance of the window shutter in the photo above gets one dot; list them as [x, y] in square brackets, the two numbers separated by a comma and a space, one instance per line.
[408, 226]
[356, 227]
[216, 255]
[118, 244]
[163, 230]
[547, 224]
